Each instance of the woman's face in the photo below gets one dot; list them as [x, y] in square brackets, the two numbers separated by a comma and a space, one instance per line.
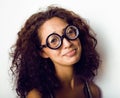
[70, 51]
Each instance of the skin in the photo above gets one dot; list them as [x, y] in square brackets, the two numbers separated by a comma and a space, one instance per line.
[63, 58]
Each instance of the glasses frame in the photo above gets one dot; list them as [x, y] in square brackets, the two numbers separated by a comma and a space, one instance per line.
[61, 38]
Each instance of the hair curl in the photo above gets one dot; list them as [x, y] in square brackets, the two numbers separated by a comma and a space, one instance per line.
[33, 71]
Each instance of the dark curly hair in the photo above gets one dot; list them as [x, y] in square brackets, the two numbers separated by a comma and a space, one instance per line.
[31, 71]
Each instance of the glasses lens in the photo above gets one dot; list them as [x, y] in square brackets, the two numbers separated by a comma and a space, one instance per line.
[54, 41]
[72, 32]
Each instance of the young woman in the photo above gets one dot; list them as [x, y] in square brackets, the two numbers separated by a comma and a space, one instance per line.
[55, 56]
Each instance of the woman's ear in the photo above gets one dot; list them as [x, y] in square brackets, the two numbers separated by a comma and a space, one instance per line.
[43, 54]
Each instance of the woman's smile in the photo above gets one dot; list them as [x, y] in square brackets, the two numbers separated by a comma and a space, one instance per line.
[70, 53]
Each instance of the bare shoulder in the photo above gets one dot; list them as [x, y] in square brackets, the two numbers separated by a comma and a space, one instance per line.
[95, 90]
[34, 94]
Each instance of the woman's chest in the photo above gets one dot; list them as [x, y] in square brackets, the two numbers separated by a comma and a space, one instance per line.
[67, 93]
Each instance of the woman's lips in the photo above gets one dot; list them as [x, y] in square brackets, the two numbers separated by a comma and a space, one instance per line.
[70, 53]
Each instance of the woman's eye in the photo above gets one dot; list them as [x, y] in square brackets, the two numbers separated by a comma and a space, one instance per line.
[54, 40]
[71, 33]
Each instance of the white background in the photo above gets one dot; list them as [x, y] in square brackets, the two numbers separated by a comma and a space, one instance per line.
[102, 15]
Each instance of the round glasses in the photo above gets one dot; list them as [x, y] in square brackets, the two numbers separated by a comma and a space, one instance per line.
[54, 40]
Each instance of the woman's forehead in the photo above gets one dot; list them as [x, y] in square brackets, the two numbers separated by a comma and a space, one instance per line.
[53, 25]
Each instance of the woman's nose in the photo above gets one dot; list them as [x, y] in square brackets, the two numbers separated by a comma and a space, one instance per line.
[66, 43]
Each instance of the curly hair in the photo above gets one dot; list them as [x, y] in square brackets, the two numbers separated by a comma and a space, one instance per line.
[32, 71]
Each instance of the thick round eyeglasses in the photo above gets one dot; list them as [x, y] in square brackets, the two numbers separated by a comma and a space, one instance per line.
[54, 40]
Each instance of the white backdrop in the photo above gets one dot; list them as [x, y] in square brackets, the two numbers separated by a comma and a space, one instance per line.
[102, 15]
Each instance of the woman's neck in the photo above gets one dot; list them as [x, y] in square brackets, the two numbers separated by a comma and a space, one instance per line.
[66, 76]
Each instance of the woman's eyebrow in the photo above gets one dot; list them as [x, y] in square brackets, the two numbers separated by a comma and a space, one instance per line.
[63, 30]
